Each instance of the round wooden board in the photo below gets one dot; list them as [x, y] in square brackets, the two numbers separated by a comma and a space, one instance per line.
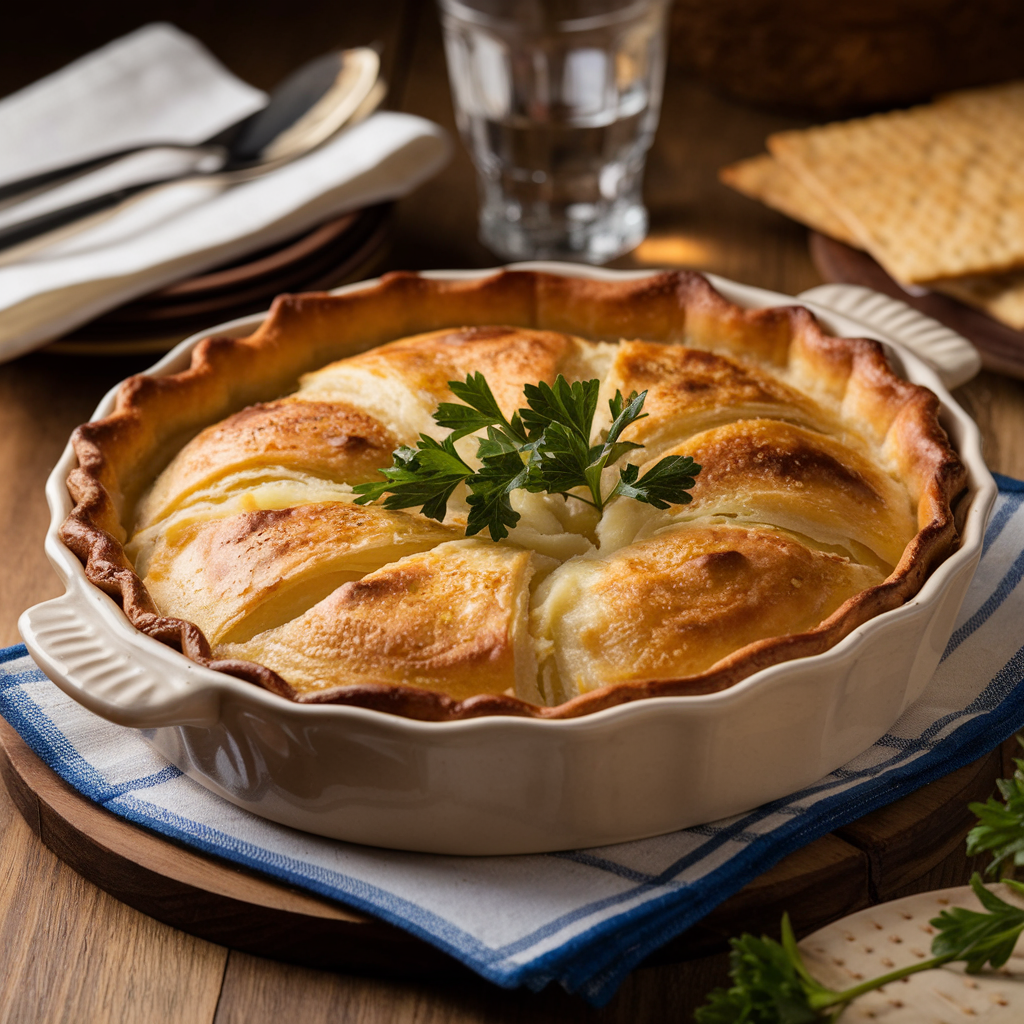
[914, 844]
[1001, 347]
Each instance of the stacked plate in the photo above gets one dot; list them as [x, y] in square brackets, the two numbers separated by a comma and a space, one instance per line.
[344, 249]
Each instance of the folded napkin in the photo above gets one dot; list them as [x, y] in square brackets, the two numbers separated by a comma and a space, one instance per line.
[156, 84]
[585, 918]
[52, 285]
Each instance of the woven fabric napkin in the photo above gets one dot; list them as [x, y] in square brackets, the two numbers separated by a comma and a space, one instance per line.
[160, 85]
[156, 84]
[583, 918]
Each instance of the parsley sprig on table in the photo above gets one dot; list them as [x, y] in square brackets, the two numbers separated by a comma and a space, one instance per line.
[771, 985]
[1000, 828]
[545, 446]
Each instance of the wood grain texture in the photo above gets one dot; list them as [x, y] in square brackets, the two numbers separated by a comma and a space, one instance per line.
[997, 404]
[816, 884]
[902, 847]
[262, 992]
[70, 952]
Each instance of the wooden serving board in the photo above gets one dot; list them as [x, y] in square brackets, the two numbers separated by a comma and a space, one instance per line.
[1001, 347]
[910, 846]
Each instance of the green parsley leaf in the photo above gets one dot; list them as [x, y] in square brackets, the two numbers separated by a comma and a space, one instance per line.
[495, 443]
[1000, 828]
[561, 462]
[770, 982]
[422, 476]
[766, 987]
[571, 405]
[481, 410]
[543, 447]
[624, 412]
[489, 501]
[977, 937]
[665, 483]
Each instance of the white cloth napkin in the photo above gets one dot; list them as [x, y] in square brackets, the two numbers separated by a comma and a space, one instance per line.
[155, 85]
[583, 918]
[52, 285]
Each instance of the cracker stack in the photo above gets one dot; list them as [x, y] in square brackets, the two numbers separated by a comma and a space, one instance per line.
[935, 193]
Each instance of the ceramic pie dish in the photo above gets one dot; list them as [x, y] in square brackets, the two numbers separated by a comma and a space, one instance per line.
[500, 784]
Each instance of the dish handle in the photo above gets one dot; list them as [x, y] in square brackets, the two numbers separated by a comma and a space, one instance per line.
[949, 354]
[112, 680]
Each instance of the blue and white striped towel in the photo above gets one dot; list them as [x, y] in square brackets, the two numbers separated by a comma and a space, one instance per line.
[584, 919]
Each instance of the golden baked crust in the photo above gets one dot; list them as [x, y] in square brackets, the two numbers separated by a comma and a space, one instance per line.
[453, 619]
[682, 601]
[241, 574]
[821, 467]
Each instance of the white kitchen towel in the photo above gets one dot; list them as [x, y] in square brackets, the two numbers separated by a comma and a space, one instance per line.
[584, 918]
[52, 285]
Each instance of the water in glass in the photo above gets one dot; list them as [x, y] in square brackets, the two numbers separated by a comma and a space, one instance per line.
[558, 113]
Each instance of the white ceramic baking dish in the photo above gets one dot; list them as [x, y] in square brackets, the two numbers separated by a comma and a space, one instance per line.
[503, 785]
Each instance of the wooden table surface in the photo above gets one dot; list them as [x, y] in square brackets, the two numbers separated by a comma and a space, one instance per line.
[68, 951]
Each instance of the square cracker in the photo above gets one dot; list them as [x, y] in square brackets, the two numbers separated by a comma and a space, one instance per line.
[934, 191]
[999, 295]
[764, 178]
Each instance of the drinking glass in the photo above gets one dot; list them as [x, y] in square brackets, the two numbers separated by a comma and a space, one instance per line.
[557, 102]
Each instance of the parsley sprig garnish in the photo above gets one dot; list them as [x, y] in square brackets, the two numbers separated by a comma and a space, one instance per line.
[771, 985]
[544, 446]
[1000, 828]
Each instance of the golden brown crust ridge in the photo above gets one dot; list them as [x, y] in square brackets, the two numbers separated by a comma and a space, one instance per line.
[684, 600]
[238, 575]
[322, 438]
[117, 456]
[386, 628]
[769, 471]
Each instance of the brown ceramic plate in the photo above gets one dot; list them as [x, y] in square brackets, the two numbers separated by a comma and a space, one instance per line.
[342, 250]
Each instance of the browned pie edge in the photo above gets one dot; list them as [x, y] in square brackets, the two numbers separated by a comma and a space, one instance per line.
[153, 416]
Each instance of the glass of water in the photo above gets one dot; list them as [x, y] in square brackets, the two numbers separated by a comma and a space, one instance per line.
[557, 101]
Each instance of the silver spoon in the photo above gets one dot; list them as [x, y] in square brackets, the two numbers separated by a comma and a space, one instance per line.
[304, 110]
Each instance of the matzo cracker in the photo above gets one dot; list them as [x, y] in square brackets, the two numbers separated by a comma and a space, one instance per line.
[931, 192]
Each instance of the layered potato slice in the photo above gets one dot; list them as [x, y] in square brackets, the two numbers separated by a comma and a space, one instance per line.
[770, 471]
[403, 383]
[676, 604]
[243, 574]
[690, 390]
[288, 439]
[347, 418]
[454, 619]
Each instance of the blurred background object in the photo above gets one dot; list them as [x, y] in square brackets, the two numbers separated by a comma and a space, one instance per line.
[847, 56]
[557, 103]
[71, 941]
